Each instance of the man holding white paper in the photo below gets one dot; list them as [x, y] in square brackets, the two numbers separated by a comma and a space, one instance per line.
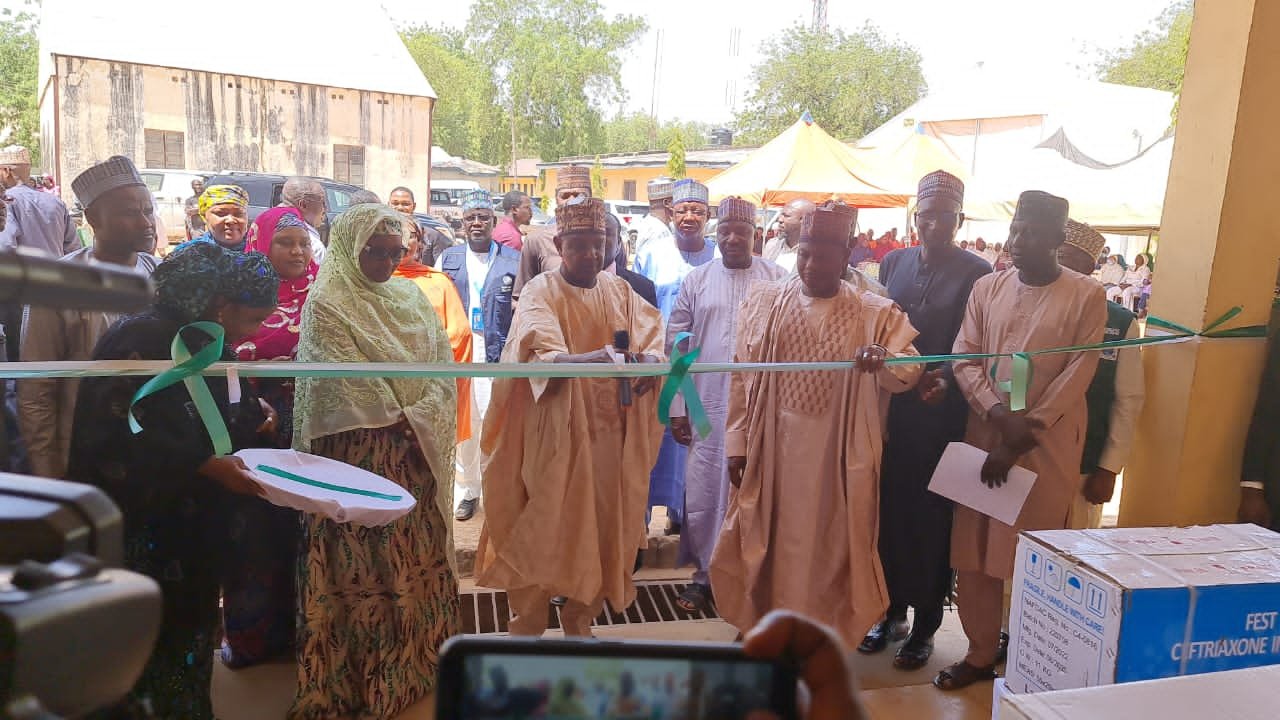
[1036, 305]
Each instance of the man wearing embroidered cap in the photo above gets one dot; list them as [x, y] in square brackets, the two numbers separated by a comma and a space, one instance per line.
[931, 282]
[666, 261]
[707, 306]
[483, 271]
[1114, 397]
[806, 540]
[1036, 305]
[566, 463]
[119, 208]
[37, 221]
[539, 254]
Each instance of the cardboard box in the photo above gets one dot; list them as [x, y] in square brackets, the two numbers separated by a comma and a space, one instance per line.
[1096, 607]
[1252, 694]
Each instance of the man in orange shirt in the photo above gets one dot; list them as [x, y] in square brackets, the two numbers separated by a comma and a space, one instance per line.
[439, 289]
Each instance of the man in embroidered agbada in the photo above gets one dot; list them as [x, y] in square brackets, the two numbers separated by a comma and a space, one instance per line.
[803, 448]
[566, 464]
[1035, 305]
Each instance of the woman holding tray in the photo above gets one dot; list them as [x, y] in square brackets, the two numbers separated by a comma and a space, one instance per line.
[376, 603]
[175, 490]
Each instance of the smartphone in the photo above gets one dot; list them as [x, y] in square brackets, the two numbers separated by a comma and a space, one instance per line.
[517, 678]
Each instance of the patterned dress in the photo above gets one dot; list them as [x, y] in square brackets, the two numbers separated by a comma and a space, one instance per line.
[378, 602]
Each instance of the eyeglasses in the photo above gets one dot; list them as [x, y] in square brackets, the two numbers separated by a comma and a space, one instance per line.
[394, 254]
[944, 218]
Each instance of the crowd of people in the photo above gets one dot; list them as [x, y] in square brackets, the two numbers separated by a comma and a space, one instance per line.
[809, 493]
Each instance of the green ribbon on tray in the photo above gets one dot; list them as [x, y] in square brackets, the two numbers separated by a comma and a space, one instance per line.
[327, 486]
[189, 369]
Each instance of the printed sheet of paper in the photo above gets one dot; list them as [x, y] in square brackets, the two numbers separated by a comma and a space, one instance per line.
[959, 478]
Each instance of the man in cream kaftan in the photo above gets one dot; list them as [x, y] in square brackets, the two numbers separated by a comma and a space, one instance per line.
[566, 467]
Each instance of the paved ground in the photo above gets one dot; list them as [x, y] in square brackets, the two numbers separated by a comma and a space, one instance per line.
[264, 693]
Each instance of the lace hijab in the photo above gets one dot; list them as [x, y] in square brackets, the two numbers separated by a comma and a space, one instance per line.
[351, 319]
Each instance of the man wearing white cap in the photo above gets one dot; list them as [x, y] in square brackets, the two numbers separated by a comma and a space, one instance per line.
[119, 208]
[657, 224]
[37, 220]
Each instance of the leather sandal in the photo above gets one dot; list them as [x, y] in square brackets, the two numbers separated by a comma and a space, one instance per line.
[961, 675]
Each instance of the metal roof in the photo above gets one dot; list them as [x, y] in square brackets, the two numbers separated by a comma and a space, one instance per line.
[314, 42]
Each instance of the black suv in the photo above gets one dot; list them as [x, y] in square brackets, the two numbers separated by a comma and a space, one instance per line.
[265, 193]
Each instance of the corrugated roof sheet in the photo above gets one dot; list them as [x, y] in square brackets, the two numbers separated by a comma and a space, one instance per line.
[351, 45]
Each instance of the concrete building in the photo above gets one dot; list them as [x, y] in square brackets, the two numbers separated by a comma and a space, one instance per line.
[451, 167]
[523, 177]
[293, 89]
[626, 175]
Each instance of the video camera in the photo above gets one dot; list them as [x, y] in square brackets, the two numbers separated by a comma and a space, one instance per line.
[75, 630]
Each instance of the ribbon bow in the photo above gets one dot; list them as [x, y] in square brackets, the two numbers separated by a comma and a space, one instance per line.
[678, 381]
[186, 369]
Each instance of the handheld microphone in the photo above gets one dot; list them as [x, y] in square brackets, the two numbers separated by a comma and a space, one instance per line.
[622, 344]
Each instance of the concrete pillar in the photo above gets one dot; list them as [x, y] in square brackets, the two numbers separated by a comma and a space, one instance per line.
[1219, 247]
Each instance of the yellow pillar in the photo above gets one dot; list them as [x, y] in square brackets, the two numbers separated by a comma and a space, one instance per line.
[1219, 246]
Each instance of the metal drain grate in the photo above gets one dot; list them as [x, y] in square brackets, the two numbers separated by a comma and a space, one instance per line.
[486, 611]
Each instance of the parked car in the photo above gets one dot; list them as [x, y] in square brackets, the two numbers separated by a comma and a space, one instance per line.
[627, 211]
[265, 191]
[170, 189]
[435, 223]
[447, 196]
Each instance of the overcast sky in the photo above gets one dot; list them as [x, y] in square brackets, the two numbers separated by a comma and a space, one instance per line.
[699, 79]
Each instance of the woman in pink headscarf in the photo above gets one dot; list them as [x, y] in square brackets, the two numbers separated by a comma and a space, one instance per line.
[259, 589]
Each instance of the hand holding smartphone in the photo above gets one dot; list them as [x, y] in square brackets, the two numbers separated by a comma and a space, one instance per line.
[501, 678]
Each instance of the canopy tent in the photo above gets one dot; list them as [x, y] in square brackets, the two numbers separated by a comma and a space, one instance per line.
[899, 167]
[1126, 197]
[805, 162]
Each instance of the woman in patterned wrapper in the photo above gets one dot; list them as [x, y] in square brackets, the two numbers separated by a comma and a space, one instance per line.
[376, 603]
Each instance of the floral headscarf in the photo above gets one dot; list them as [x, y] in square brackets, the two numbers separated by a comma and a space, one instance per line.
[222, 195]
[192, 277]
[349, 318]
[278, 337]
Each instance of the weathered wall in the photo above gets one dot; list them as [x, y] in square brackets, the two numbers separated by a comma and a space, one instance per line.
[235, 123]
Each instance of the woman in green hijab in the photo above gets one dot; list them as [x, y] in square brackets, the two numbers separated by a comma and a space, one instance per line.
[376, 603]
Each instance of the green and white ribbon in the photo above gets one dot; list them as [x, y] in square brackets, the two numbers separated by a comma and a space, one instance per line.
[188, 369]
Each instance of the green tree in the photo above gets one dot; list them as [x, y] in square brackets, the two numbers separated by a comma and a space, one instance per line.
[466, 122]
[850, 83]
[558, 63]
[638, 132]
[1157, 57]
[597, 179]
[675, 163]
[19, 66]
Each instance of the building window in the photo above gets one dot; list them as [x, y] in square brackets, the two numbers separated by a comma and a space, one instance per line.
[348, 164]
[628, 189]
[165, 150]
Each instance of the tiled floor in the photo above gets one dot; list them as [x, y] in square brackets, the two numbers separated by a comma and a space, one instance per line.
[264, 693]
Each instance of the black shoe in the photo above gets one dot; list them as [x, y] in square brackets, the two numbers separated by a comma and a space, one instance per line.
[914, 653]
[466, 510]
[883, 633]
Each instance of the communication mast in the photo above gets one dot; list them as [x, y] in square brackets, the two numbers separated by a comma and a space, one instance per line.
[819, 15]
